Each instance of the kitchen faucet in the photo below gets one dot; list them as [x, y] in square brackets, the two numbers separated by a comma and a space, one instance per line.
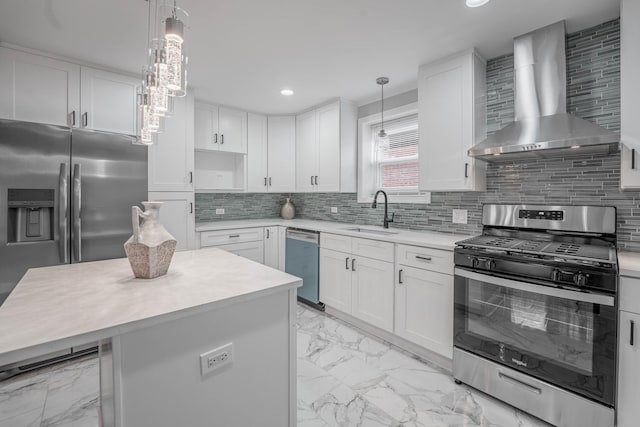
[386, 214]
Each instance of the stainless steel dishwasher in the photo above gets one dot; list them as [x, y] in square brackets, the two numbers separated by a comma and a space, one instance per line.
[302, 260]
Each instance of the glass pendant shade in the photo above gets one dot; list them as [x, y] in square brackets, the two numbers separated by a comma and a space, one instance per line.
[382, 140]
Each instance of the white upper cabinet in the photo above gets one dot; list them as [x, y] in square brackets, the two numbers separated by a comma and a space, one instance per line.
[270, 155]
[452, 118]
[326, 148]
[281, 146]
[220, 128]
[108, 101]
[257, 175]
[630, 92]
[171, 159]
[34, 88]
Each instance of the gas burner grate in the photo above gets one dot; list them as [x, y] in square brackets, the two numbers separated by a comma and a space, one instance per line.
[567, 249]
[500, 242]
[531, 245]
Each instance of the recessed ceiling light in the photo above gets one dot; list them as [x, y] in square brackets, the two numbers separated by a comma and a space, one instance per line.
[286, 92]
[476, 3]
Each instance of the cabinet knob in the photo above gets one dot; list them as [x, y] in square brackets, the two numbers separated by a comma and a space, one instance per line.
[466, 170]
[632, 327]
[400, 277]
[353, 264]
[215, 138]
[633, 158]
[346, 263]
[222, 138]
[85, 119]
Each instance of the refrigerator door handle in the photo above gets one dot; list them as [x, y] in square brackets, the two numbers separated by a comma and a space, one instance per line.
[77, 207]
[63, 206]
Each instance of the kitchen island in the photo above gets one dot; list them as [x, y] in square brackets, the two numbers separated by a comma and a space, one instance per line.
[152, 334]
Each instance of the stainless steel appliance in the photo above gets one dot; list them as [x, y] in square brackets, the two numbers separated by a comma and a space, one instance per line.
[65, 196]
[535, 316]
[542, 127]
[303, 260]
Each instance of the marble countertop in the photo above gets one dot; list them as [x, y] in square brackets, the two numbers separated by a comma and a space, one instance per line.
[629, 264]
[410, 237]
[54, 308]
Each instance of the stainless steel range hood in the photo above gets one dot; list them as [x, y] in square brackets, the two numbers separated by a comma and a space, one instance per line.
[543, 129]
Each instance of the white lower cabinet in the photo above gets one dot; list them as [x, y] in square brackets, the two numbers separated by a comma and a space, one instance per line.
[177, 215]
[335, 279]
[424, 308]
[271, 247]
[356, 284]
[628, 369]
[372, 292]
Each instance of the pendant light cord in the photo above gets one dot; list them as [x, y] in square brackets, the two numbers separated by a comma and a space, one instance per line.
[382, 101]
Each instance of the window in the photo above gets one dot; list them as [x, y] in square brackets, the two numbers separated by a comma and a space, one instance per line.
[392, 167]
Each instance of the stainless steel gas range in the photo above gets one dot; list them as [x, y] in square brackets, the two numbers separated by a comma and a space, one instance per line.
[535, 321]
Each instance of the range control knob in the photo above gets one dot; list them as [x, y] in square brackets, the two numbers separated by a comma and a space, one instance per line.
[580, 279]
[555, 275]
[474, 262]
[491, 265]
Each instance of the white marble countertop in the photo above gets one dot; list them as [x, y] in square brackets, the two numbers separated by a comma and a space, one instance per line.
[435, 240]
[54, 308]
[629, 264]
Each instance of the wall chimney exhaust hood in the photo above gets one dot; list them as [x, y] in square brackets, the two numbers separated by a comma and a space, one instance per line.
[542, 127]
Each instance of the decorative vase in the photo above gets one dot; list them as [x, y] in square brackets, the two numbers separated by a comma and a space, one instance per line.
[288, 210]
[151, 247]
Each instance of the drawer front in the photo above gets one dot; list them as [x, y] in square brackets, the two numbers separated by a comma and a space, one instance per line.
[630, 294]
[250, 250]
[425, 258]
[335, 242]
[375, 249]
[225, 237]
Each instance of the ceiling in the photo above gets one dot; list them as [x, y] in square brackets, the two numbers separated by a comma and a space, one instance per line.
[242, 52]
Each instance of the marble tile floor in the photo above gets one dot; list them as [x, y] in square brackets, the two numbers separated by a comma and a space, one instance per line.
[345, 378]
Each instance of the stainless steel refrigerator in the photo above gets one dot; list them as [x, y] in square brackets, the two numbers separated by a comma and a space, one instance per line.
[65, 196]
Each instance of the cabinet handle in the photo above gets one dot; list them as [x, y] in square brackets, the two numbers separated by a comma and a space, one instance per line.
[73, 118]
[316, 179]
[400, 277]
[267, 233]
[234, 236]
[632, 324]
[191, 207]
[633, 158]
[85, 119]
[466, 170]
[269, 181]
[190, 177]
[265, 181]
[346, 263]
[222, 138]
[215, 140]
[423, 258]
[353, 264]
[311, 179]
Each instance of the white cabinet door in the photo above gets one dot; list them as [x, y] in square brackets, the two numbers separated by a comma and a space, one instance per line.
[306, 149]
[271, 247]
[628, 370]
[108, 101]
[171, 160]
[206, 126]
[335, 279]
[450, 122]
[257, 177]
[328, 122]
[630, 88]
[281, 154]
[177, 215]
[424, 309]
[282, 247]
[233, 130]
[34, 88]
[250, 250]
[372, 292]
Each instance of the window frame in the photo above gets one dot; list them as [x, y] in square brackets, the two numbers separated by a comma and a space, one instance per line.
[368, 168]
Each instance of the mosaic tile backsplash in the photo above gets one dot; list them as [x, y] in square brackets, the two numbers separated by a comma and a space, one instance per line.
[593, 90]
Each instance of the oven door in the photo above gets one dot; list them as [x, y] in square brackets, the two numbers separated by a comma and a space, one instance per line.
[562, 336]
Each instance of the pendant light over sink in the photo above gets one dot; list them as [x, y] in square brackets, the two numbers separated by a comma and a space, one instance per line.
[165, 75]
[383, 138]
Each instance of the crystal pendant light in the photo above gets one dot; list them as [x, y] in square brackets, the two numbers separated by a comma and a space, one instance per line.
[382, 137]
[176, 59]
[156, 78]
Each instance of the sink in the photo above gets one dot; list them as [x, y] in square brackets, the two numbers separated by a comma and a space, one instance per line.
[369, 231]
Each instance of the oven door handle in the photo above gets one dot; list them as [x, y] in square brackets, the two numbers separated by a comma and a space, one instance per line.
[599, 299]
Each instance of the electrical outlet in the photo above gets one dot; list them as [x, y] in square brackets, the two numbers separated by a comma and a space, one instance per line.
[215, 359]
[459, 216]
[219, 211]
[334, 209]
